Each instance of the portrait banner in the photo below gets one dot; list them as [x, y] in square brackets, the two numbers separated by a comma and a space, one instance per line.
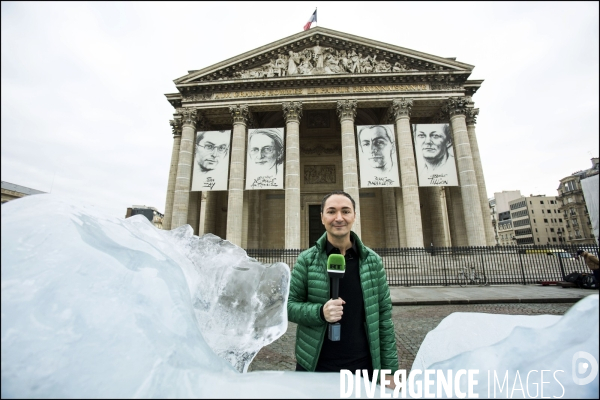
[265, 159]
[434, 155]
[377, 156]
[211, 161]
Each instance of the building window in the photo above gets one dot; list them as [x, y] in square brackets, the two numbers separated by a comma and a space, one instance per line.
[551, 229]
[554, 239]
[541, 201]
[546, 220]
[569, 186]
[560, 220]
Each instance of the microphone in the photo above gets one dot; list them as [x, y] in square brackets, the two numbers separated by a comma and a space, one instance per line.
[336, 266]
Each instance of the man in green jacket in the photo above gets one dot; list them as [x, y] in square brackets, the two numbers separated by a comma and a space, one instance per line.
[364, 308]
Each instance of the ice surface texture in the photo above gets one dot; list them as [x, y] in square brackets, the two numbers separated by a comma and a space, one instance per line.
[98, 306]
[501, 344]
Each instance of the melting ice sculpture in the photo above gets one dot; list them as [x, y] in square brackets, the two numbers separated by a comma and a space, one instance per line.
[511, 351]
[96, 306]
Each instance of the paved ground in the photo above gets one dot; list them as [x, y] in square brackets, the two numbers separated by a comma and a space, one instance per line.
[418, 310]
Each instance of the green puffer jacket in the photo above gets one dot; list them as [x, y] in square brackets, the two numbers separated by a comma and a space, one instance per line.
[309, 290]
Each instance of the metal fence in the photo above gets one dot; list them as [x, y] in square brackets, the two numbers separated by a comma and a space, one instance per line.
[439, 266]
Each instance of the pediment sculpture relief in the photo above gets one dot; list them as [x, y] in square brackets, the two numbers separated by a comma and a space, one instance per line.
[319, 60]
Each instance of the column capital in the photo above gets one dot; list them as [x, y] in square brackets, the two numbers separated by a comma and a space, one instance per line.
[292, 111]
[346, 109]
[401, 108]
[189, 116]
[455, 106]
[240, 114]
[472, 114]
[176, 126]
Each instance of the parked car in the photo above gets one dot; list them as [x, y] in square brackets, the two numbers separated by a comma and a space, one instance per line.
[564, 255]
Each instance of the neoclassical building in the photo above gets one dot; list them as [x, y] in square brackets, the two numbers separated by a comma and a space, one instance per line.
[319, 85]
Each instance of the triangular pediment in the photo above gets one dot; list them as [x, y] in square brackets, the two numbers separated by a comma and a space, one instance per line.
[323, 52]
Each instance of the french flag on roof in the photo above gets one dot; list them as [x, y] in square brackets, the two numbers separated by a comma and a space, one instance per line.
[313, 18]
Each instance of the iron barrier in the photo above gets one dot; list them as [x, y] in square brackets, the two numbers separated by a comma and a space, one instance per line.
[440, 266]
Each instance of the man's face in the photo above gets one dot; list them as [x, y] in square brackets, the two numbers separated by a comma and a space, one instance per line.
[263, 151]
[433, 141]
[338, 216]
[212, 148]
[375, 143]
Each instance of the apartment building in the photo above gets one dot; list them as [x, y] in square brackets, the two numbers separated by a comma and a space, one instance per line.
[574, 209]
[537, 220]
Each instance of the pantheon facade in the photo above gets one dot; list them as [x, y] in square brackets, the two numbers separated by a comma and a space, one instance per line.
[320, 85]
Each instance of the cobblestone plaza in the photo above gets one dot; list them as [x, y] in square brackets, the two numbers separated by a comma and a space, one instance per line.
[411, 323]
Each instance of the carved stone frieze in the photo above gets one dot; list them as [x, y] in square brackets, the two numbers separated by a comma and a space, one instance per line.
[189, 116]
[445, 86]
[292, 111]
[198, 96]
[320, 150]
[346, 109]
[319, 174]
[471, 115]
[323, 60]
[318, 119]
[455, 106]
[176, 126]
[401, 108]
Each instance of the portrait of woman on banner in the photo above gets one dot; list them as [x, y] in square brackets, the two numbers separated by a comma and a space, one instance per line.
[434, 154]
[264, 164]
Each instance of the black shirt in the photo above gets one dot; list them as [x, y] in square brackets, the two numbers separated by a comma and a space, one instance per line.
[352, 351]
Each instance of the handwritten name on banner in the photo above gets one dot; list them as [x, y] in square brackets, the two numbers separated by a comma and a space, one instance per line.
[309, 91]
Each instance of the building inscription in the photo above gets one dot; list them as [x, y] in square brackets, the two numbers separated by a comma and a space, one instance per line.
[308, 91]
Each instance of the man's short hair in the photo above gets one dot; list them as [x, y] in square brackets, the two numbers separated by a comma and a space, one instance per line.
[201, 134]
[334, 193]
[448, 133]
[385, 129]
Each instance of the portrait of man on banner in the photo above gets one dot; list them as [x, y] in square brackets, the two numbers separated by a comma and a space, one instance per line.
[266, 156]
[211, 160]
[377, 156]
[434, 154]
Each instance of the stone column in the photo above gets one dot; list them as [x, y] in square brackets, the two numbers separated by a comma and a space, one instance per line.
[245, 220]
[194, 211]
[400, 217]
[202, 219]
[254, 220]
[456, 108]
[235, 204]
[189, 118]
[426, 216]
[408, 173]
[485, 207]
[346, 110]
[176, 126]
[456, 217]
[292, 112]
[390, 221]
[438, 227]
[445, 216]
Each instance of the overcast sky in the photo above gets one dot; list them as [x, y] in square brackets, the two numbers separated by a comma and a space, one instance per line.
[83, 84]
